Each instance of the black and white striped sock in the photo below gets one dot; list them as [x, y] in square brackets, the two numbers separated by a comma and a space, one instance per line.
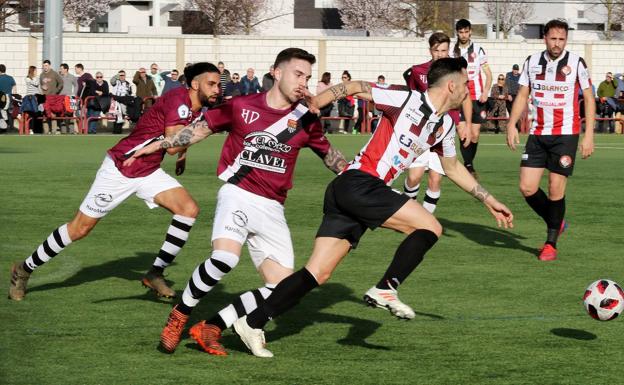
[411, 192]
[207, 275]
[431, 200]
[177, 235]
[54, 244]
[243, 305]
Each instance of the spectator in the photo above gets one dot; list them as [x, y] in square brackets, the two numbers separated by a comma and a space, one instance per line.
[607, 103]
[381, 81]
[321, 86]
[51, 83]
[182, 78]
[30, 100]
[120, 87]
[250, 83]
[171, 79]
[70, 87]
[97, 88]
[498, 102]
[145, 87]
[346, 106]
[268, 79]
[7, 88]
[224, 76]
[233, 88]
[83, 78]
[511, 81]
[157, 78]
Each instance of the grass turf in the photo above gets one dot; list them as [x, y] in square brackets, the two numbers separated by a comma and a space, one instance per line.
[487, 311]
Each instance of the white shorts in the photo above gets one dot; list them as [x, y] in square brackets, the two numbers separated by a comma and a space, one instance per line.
[430, 161]
[111, 187]
[243, 216]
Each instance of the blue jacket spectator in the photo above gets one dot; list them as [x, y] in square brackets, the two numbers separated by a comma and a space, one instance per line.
[250, 83]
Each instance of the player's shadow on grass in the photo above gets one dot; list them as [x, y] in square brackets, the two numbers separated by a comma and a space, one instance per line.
[128, 268]
[486, 235]
[576, 334]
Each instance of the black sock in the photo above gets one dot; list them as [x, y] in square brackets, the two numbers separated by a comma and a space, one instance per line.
[158, 269]
[407, 257]
[182, 308]
[555, 215]
[465, 152]
[286, 295]
[473, 152]
[218, 322]
[539, 203]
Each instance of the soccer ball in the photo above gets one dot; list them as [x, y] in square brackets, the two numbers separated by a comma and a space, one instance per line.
[604, 300]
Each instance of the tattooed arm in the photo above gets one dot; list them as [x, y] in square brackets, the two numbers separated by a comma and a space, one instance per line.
[185, 137]
[334, 160]
[360, 89]
[456, 172]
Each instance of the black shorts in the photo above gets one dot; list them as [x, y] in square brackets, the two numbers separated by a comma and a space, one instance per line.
[479, 113]
[553, 152]
[355, 201]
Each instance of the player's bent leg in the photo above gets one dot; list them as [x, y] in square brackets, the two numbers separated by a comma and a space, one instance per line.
[423, 231]
[58, 240]
[326, 255]
[432, 195]
[555, 214]
[411, 185]
[178, 201]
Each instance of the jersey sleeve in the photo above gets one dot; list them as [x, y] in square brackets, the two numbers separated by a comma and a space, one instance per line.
[524, 75]
[177, 112]
[389, 98]
[446, 147]
[220, 118]
[583, 75]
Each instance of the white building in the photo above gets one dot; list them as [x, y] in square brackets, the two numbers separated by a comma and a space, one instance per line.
[587, 20]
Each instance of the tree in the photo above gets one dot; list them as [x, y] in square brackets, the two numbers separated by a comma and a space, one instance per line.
[222, 14]
[83, 12]
[372, 16]
[251, 13]
[615, 11]
[511, 14]
[9, 8]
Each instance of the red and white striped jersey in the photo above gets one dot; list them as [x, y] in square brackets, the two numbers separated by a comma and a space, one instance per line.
[476, 58]
[555, 86]
[409, 126]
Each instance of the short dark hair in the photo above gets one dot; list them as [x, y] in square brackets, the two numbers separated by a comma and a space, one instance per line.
[64, 65]
[46, 61]
[197, 69]
[121, 72]
[293, 53]
[381, 77]
[175, 70]
[462, 23]
[438, 38]
[2, 68]
[443, 67]
[79, 66]
[556, 23]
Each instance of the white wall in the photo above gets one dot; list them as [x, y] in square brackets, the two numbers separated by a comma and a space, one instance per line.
[365, 58]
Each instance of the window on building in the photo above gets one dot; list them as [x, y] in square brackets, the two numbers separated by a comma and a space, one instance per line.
[580, 13]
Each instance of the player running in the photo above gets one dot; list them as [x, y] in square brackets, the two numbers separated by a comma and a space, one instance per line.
[266, 133]
[477, 63]
[416, 79]
[115, 182]
[553, 78]
[361, 197]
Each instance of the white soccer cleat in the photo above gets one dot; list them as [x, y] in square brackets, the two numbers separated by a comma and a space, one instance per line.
[388, 299]
[253, 338]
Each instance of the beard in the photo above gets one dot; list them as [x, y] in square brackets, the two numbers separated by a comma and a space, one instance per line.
[206, 100]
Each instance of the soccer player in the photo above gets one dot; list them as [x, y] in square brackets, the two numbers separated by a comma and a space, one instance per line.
[477, 63]
[114, 183]
[361, 197]
[416, 79]
[552, 78]
[266, 133]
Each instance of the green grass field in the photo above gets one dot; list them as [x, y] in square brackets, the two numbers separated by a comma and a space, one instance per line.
[487, 311]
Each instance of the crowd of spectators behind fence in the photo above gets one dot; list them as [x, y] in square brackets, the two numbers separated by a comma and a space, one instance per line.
[115, 100]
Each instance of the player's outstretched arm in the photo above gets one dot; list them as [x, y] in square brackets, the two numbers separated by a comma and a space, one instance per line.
[456, 172]
[187, 136]
[517, 109]
[359, 88]
[334, 160]
[587, 144]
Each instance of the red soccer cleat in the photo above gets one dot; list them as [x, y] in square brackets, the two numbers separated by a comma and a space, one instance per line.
[207, 336]
[547, 253]
[171, 334]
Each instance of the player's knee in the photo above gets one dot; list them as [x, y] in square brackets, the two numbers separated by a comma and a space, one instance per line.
[78, 231]
[188, 209]
[436, 228]
[527, 190]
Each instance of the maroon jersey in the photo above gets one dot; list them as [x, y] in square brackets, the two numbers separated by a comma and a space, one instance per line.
[171, 109]
[260, 152]
[418, 81]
